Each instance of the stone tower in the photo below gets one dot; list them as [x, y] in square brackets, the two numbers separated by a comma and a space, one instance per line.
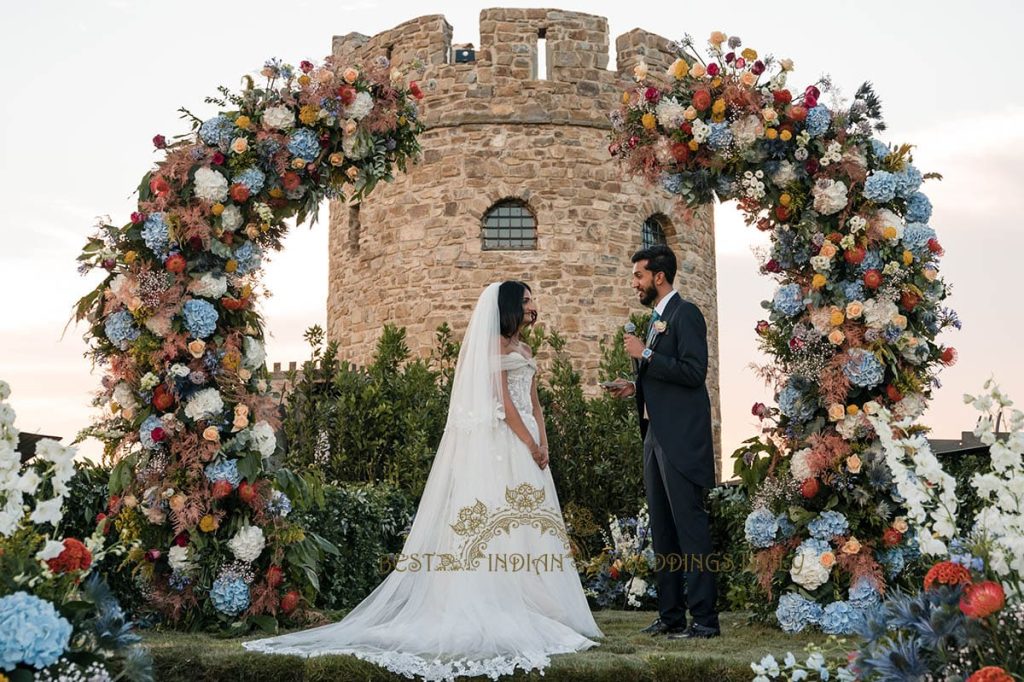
[497, 129]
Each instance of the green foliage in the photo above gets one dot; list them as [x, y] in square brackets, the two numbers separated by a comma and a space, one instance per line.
[729, 506]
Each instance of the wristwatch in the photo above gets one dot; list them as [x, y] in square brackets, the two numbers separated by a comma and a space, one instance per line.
[647, 354]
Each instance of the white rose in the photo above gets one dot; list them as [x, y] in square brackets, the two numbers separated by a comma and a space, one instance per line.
[124, 396]
[798, 465]
[360, 107]
[209, 286]
[807, 570]
[254, 353]
[178, 559]
[266, 440]
[211, 186]
[821, 263]
[51, 550]
[231, 218]
[204, 404]
[278, 117]
[829, 196]
[247, 544]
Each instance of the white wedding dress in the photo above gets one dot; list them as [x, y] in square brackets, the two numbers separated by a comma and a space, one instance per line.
[485, 583]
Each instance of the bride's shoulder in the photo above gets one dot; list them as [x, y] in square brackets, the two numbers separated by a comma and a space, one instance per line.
[525, 351]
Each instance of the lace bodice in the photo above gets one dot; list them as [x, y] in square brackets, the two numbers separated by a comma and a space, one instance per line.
[520, 370]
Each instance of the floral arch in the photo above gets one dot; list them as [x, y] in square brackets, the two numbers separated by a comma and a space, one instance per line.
[851, 328]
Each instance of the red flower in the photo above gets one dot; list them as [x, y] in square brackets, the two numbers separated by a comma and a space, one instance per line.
[246, 492]
[909, 300]
[757, 68]
[809, 488]
[239, 192]
[652, 95]
[729, 57]
[855, 256]
[613, 571]
[181, 539]
[217, 159]
[812, 91]
[163, 399]
[138, 218]
[990, 673]
[159, 186]
[762, 327]
[153, 555]
[759, 410]
[948, 356]
[414, 89]
[946, 573]
[159, 141]
[100, 518]
[934, 246]
[811, 166]
[810, 102]
[275, 576]
[687, 128]
[782, 96]
[834, 237]
[782, 213]
[221, 489]
[772, 266]
[893, 393]
[175, 263]
[712, 69]
[873, 278]
[291, 180]
[290, 601]
[740, 63]
[347, 94]
[680, 152]
[891, 537]
[796, 344]
[797, 113]
[75, 557]
[701, 100]
[983, 599]
[306, 66]
[157, 434]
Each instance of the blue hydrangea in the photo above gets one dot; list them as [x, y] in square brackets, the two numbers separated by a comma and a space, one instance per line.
[790, 251]
[863, 369]
[146, 431]
[853, 291]
[217, 131]
[252, 178]
[916, 237]
[795, 613]
[786, 527]
[279, 504]
[818, 120]
[864, 594]
[919, 208]
[893, 560]
[788, 300]
[760, 528]
[224, 470]
[880, 187]
[879, 149]
[840, 618]
[908, 181]
[672, 182]
[155, 234]
[229, 595]
[120, 329]
[720, 136]
[200, 318]
[178, 581]
[814, 545]
[797, 401]
[872, 261]
[248, 256]
[32, 632]
[828, 525]
[304, 144]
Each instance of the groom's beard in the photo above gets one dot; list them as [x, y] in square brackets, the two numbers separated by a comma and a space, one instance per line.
[650, 295]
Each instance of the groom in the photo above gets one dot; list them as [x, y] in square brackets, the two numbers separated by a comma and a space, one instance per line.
[675, 423]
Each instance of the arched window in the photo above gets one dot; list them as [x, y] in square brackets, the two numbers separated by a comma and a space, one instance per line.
[653, 230]
[509, 224]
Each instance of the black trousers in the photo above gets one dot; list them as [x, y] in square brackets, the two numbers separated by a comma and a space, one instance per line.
[681, 533]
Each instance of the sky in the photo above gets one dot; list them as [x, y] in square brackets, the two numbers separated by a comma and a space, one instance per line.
[95, 80]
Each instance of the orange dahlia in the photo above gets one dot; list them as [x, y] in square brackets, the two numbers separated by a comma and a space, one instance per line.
[990, 673]
[946, 573]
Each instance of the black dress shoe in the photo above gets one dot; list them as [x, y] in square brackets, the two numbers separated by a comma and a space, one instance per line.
[696, 631]
[658, 627]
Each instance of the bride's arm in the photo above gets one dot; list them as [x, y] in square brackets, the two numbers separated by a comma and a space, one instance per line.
[514, 421]
[538, 414]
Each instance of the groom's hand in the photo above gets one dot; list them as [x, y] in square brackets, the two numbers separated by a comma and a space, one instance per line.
[634, 346]
[620, 388]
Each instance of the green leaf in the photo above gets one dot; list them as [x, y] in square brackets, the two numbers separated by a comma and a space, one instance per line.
[266, 623]
[249, 466]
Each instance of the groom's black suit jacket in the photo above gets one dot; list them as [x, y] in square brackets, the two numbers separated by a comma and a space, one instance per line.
[672, 387]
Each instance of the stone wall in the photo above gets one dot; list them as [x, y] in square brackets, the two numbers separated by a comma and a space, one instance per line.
[412, 253]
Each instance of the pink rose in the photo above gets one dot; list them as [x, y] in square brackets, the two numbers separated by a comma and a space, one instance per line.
[159, 141]
[306, 66]
[712, 69]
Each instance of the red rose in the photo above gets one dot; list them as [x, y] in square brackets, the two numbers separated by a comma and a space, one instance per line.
[855, 256]
[159, 186]
[347, 94]
[796, 344]
[652, 95]
[195, 243]
[893, 393]
[221, 489]
[680, 152]
[275, 576]
[181, 539]
[772, 266]
[948, 356]
[892, 537]
[809, 488]
[762, 327]
[782, 213]
[712, 69]
[782, 96]
[811, 166]
[246, 492]
[729, 57]
[290, 601]
[872, 279]
[757, 68]
[414, 88]
[163, 399]
[153, 555]
[159, 141]
[759, 410]
[157, 434]
[291, 180]
[74, 557]
[306, 66]
[686, 127]
[796, 113]
[175, 263]
[138, 218]
[934, 246]
[239, 192]
[701, 100]
[217, 159]
[810, 102]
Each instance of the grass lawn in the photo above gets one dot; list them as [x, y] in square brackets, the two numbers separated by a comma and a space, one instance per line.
[624, 655]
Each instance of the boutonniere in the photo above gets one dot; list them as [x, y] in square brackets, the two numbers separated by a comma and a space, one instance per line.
[660, 326]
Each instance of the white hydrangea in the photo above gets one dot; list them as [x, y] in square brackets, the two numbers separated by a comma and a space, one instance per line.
[5, 390]
[247, 544]
[231, 218]
[670, 113]
[798, 465]
[211, 186]
[807, 570]
[278, 117]
[204, 404]
[785, 174]
[266, 440]
[124, 396]
[747, 130]
[878, 312]
[884, 218]
[209, 285]
[360, 107]
[254, 354]
[829, 196]
[178, 559]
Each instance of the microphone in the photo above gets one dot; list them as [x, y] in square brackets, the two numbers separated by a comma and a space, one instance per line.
[630, 328]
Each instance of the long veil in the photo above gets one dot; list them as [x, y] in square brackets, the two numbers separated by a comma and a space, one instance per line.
[443, 612]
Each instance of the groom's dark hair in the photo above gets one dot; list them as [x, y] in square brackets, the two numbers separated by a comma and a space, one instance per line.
[659, 258]
[510, 306]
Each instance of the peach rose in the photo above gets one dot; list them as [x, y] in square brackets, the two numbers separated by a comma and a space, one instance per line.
[689, 113]
[852, 546]
[854, 309]
[211, 434]
[871, 407]
[717, 38]
[828, 559]
[853, 464]
[836, 412]
[130, 501]
[836, 337]
[900, 524]
[240, 145]
[698, 70]
[748, 78]
[786, 64]
[196, 348]
[930, 274]
[244, 374]
[899, 321]
[640, 71]
[336, 159]
[177, 502]
[350, 75]
[352, 173]
[769, 115]
[828, 249]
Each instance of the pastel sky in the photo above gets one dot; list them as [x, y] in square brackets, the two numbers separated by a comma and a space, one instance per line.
[90, 83]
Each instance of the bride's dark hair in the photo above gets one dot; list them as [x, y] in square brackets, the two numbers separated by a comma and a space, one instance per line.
[510, 306]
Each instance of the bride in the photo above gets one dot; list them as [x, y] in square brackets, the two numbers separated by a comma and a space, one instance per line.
[485, 582]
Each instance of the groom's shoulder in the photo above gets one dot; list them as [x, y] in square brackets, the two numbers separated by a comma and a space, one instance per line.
[688, 307]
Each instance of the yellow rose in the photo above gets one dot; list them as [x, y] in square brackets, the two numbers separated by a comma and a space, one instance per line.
[836, 412]
[718, 107]
[785, 199]
[336, 159]
[749, 54]
[350, 75]
[818, 281]
[231, 265]
[308, 114]
[352, 173]
[649, 120]
[908, 258]
[853, 464]
[828, 559]
[716, 82]
[208, 524]
[852, 545]
[769, 115]
[748, 78]
[304, 80]
[717, 38]
[693, 145]
[276, 192]
[217, 209]
[197, 347]
[785, 136]
[678, 69]
[852, 410]
[697, 70]
[771, 133]
[836, 337]
[298, 163]
[240, 145]
[854, 309]
[828, 249]
[243, 122]
[130, 257]
[837, 317]
[900, 524]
